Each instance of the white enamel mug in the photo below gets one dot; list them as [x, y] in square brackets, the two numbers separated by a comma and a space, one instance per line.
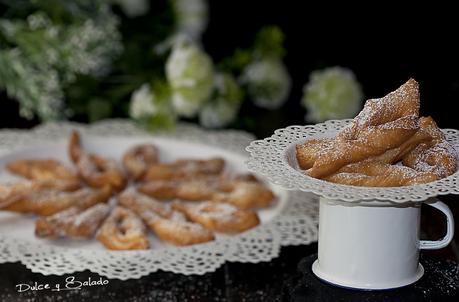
[373, 245]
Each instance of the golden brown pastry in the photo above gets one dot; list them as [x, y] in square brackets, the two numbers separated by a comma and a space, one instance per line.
[200, 188]
[138, 159]
[95, 170]
[42, 170]
[307, 153]
[168, 225]
[436, 156]
[123, 230]
[219, 217]
[244, 194]
[11, 192]
[185, 168]
[400, 103]
[48, 202]
[373, 141]
[73, 222]
[139, 203]
[177, 230]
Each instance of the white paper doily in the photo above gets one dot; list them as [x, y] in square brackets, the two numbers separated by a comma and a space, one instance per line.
[275, 158]
[296, 224]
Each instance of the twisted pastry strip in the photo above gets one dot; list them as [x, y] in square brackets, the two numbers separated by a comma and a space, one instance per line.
[437, 156]
[219, 217]
[139, 203]
[307, 153]
[95, 170]
[138, 159]
[185, 169]
[245, 192]
[400, 103]
[48, 202]
[395, 176]
[168, 225]
[42, 170]
[177, 230]
[123, 230]
[72, 222]
[193, 189]
[371, 142]
[10, 193]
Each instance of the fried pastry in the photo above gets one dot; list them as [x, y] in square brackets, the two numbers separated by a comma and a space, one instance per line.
[219, 217]
[42, 169]
[48, 202]
[437, 156]
[168, 225]
[177, 230]
[73, 222]
[10, 193]
[307, 153]
[395, 176]
[244, 194]
[400, 103]
[123, 230]
[140, 203]
[95, 170]
[139, 158]
[373, 141]
[193, 189]
[185, 169]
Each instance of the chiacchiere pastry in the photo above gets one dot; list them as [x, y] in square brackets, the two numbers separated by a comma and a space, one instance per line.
[95, 170]
[384, 135]
[166, 223]
[182, 202]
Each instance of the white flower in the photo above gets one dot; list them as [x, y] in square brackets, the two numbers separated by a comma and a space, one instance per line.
[217, 114]
[224, 106]
[134, 8]
[189, 72]
[332, 93]
[268, 82]
[142, 103]
[192, 17]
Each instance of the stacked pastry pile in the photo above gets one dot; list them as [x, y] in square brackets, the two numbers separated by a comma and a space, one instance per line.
[183, 202]
[386, 145]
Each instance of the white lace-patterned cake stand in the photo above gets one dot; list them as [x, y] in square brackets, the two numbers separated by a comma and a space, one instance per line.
[368, 237]
[294, 224]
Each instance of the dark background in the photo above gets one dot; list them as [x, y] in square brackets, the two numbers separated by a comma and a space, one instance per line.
[384, 45]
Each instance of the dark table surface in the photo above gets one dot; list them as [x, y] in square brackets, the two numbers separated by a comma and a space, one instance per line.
[286, 278]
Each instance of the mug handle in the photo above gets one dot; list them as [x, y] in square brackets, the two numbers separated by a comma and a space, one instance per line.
[438, 244]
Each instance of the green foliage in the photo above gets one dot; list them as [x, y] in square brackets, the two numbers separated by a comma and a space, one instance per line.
[89, 60]
[47, 44]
